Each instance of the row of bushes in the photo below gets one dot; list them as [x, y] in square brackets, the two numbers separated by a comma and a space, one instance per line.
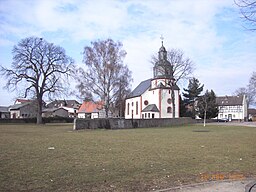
[45, 120]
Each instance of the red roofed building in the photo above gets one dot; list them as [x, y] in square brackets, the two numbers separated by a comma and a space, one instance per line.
[21, 101]
[91, 110]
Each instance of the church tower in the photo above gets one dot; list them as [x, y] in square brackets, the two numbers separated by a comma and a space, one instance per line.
[163, 83]
[162, 71]
[157, 97]
[163, 68]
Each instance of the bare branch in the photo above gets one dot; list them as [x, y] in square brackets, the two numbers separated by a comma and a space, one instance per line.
[182, 67]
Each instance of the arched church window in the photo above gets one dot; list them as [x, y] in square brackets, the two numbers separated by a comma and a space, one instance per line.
[128, 108]
[146, 102]
[169, 110]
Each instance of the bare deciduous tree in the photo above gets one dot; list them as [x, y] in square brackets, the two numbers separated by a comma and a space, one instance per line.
[105, 76]
[249, 90]
[38, 68]
[182, 67]
[252, 88]
[248, 11]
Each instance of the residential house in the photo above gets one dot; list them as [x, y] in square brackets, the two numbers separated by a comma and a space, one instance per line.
[4, 112]
[157, 97]
[252, 114]
[71, 106]
[55, 112]
[23, 110]
[232, 108]
[91, 110]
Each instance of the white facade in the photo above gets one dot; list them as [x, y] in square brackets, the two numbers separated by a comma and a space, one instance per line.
[86, 115]
[161, 98]
[232, 107]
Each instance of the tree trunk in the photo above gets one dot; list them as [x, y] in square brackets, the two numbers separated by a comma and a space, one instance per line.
[39, 119]
[173, 103]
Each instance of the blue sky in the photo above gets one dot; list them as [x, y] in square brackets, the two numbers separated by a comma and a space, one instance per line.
[211, 33]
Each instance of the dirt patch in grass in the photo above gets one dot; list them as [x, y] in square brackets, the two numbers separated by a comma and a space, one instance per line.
[55, 158]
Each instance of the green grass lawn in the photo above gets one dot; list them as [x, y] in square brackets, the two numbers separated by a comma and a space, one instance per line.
[121, 160]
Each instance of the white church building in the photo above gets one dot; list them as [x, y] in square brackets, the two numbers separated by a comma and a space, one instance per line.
[157, 97]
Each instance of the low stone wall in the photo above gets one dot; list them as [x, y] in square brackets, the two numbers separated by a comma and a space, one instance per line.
[129, 123]
[33, 120]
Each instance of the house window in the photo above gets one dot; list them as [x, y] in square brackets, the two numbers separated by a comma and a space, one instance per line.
[142, 116]
[169, 91]
[148, 115]
[132, 103]
[137, 107]
[153, 115]
[146, 102]
[145, 115]
[128, 108]
[234, 116]
[169, 110]
[169, 101]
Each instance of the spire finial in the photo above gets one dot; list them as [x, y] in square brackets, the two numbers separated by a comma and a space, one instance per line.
[162, 38]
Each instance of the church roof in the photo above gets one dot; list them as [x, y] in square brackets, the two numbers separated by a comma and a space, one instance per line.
[151, 108]
[141, 88]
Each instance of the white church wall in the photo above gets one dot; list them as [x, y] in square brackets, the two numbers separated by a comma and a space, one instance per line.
[133, 108]
[165, 95]
[152, 97]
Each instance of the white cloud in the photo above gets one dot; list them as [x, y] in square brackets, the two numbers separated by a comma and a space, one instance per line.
[206, 30]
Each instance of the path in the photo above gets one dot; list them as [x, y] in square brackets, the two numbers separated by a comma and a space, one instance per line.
[248, 185]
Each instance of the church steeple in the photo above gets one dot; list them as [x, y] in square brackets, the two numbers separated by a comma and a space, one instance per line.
[162, 53]
[163, 68]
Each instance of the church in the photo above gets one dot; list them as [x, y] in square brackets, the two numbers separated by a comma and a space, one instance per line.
[157, 97]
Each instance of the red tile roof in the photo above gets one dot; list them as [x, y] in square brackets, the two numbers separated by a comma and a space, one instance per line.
[90, 107]
[22, 100]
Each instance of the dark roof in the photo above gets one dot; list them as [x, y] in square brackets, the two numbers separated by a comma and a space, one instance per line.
[64, 103]
[252, 111]
[141, 88]
[229, 100]
[4, 109]
[18, 106]
[151, 108]
[45, 110]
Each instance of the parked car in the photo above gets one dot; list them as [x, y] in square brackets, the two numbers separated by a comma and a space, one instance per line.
[223, 120]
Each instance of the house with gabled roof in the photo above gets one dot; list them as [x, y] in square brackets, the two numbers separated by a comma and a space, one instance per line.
[4, 112]
[252, 114]
[71, 106]
[157, 97]
[55, 112]
[91, 110]
[232, 107]
[23, 110]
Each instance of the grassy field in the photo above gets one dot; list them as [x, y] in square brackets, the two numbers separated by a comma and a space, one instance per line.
[55, 158]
